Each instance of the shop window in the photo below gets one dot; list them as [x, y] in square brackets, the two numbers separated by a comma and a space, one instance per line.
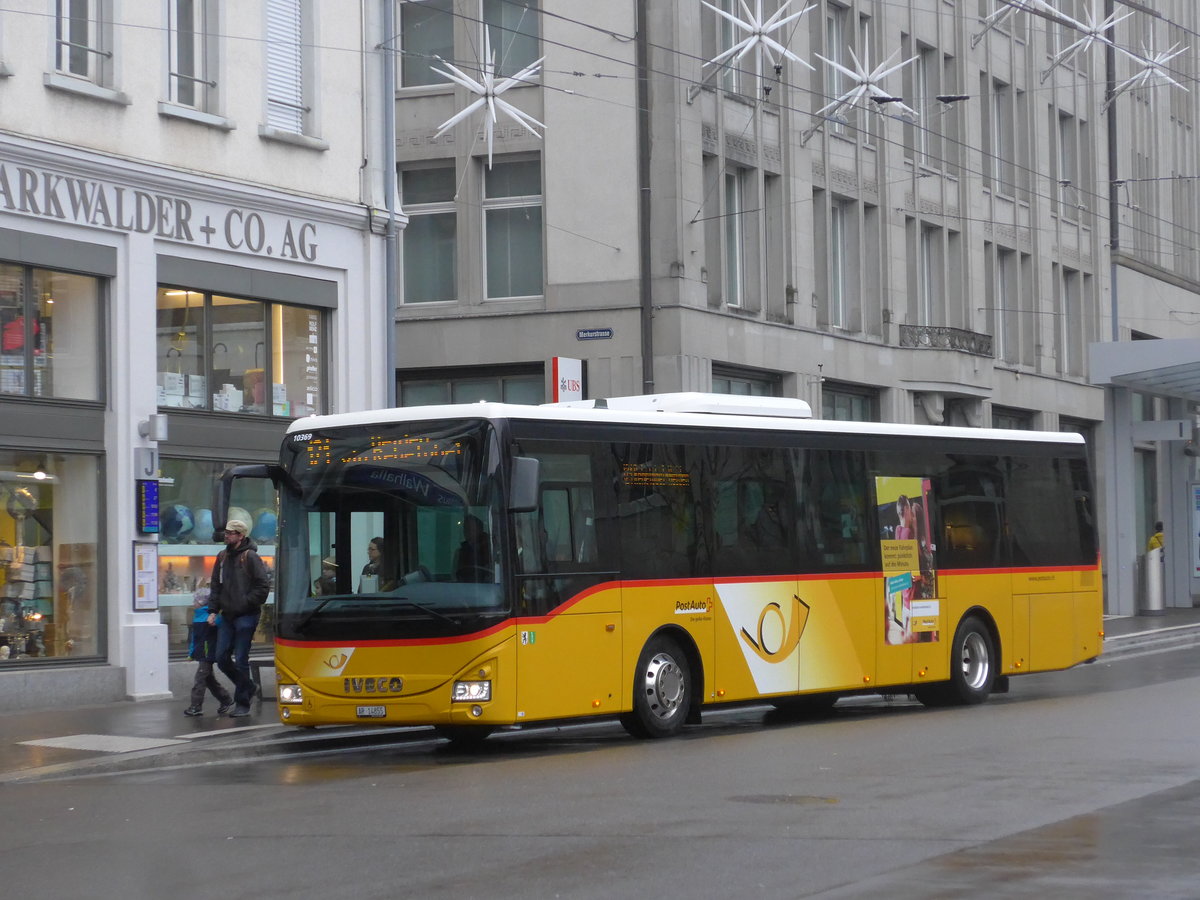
[849, 403]
[1014, 419]
[49, 548]
[528, 388]
[188, 548]
[229, 354]
[745, 384]
[49, 334]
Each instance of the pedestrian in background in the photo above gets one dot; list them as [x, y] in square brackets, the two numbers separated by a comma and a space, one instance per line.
[1156, 539]
[240, 584]
[203, 649]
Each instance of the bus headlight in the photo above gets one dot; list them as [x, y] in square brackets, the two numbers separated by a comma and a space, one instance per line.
[291, 693]
[471, 692]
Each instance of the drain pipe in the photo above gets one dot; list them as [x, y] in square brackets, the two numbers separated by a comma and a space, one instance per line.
[643, 176]
[390, 254]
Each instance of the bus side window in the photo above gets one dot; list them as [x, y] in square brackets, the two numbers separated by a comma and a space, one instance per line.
[833, 502]
[971, 507]
[570, 523]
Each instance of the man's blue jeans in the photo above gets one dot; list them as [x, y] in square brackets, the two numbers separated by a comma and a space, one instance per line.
[233, 655]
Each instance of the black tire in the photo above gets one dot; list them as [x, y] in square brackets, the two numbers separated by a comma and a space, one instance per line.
[464, 736]
[972, 668]
[662, 691]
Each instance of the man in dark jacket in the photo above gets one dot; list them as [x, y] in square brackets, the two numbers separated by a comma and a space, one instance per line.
[240, 585]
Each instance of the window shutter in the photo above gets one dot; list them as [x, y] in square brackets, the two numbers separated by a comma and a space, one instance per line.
[285, 66]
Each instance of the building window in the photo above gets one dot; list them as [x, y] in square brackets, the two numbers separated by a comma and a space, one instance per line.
[512, 216]
[188, 548]
[1003, 301]
[289, 67]
[835, 50]
[839, 211]
[192, 63]
[83, 40]
[513, 32]
[1068, 159]
[744, 384]
[849, 403]
[467, 386]
[925, 77]
[426, 38]
[49, 548]
[1073, 325]
[728, 35]
[735, 235]
[229, 354]
[929, 282]
[50, 334]
[1014, 419]
[430, 237]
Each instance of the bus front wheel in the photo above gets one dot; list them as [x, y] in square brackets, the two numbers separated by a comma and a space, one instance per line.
[972, 668]
[662, 691]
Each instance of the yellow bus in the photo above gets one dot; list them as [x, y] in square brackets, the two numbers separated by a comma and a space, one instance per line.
[488, 565]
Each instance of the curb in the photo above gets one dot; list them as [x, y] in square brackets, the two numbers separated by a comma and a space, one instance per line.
[254, 746]
[1160, 639]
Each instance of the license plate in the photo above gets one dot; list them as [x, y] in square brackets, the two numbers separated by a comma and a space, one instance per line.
[372, 712]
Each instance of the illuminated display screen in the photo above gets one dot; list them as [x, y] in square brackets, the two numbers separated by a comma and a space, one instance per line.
[319, 451]
[649, 475]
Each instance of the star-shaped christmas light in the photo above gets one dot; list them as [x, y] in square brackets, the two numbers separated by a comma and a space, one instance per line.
[1007, 9]
[1091, 31]
[866, 87]
[758, 34]
[489, 91]
[1153, 73]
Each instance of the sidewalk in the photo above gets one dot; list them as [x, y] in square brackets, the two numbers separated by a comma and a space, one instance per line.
[75, 738]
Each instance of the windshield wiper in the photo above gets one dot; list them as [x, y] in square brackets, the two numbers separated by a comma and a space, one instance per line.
[403, 601]
[316, 609]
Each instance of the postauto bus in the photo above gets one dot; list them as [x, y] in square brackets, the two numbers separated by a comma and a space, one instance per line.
[487, 565]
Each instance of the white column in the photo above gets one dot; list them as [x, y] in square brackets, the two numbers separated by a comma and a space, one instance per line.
[1119, 539]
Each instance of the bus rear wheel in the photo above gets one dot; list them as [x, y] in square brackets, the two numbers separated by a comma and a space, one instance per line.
[662, 691]
[972, 668]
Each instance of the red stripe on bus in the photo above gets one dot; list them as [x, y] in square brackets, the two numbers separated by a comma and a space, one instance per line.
[666, 582]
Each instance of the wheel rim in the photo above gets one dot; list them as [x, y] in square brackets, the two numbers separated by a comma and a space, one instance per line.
[664, 686]
[975, 662]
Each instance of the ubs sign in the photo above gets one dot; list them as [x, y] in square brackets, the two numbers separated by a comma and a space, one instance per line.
[83, 201]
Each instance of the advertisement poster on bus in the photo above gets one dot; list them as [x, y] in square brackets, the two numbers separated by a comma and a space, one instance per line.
[910, 606]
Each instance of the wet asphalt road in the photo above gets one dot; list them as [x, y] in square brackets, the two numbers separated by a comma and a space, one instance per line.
[1076, 784]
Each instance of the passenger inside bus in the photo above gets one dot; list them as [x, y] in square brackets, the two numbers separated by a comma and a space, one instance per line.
[473, 559]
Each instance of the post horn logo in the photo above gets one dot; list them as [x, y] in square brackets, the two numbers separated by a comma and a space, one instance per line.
[790, 641]
[335, 661]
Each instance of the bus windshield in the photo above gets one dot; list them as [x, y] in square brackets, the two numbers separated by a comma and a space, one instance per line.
[390, 531]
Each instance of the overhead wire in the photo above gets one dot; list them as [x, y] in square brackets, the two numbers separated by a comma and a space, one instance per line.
[1034, 175]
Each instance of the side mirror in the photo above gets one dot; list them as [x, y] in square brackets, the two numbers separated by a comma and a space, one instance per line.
[523, 484]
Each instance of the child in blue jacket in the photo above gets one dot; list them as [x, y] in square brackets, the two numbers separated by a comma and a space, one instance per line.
[203, 649]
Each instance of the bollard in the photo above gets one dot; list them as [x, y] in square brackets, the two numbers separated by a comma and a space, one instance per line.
[1152, 566]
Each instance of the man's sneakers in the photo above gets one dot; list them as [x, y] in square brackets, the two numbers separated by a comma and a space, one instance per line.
[239, 712]
[193, 711]
[223, 709]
